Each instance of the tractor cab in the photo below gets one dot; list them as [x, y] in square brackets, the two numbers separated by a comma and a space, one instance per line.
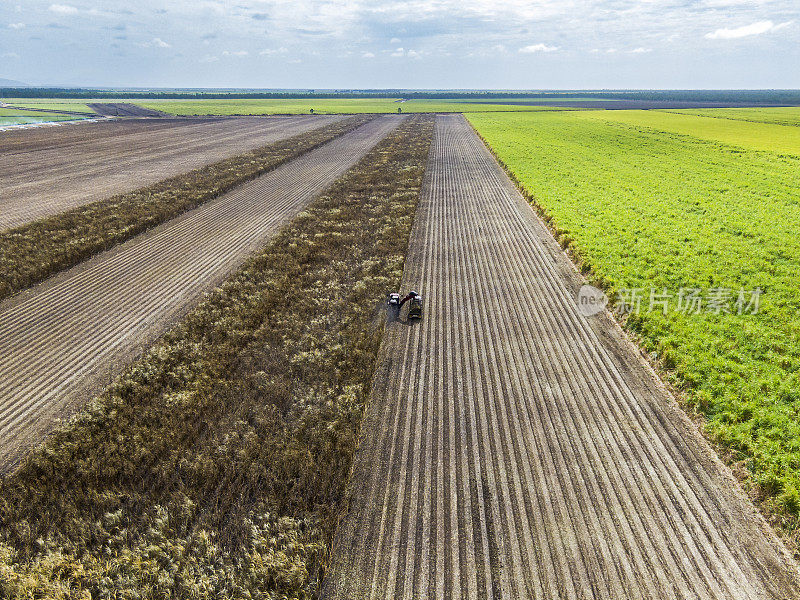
[415, 307]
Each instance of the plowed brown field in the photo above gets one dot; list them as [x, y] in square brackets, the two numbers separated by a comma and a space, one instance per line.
[123, 109]
[63, 339]
[43, 173]
[517, 449]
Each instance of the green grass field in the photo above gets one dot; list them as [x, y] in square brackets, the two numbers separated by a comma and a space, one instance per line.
[15, 120]
[11, 112]
[779, 116]
[70, 105]
[531, 99]
[745, 134]
[357, 105]
[648, 209]
[14, 112]
[14, 116]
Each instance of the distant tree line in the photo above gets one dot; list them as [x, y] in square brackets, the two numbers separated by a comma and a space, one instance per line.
[745, 96]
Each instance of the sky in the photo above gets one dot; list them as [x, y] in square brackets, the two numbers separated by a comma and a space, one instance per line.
[435, 44]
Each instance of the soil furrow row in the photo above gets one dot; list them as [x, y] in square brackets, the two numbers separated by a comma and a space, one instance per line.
[92, 168]
[553, 432]
[556, 345]
[517, 449]
[477, 286]
[626, 439]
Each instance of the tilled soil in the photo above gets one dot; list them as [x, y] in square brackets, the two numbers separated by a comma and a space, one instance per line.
[123, 109]
[516, 449]
[49, 111]
[64, 339]
[43, 174]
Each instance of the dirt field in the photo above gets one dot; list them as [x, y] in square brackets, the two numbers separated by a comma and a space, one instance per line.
[46, 172]
[123, 109]
[48, 111]
[67, 337]
[516, 449]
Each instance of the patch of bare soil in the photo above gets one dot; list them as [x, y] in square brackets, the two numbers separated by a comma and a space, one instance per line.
[44, 173]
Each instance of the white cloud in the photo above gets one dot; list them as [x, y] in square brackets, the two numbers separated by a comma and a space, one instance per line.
[16, 25]
[63, 9]
[238, 53]
[726, 3]
[641, 50]
[209, 58]
[757, 28]
[156, 43]
[537, 48]
[273, 51]
[394, 41]
[217, 7]
[402, 52]
[367, 55]
[9, 55]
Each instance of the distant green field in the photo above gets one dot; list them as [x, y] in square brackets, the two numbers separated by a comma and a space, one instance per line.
[71, 105]
[10, 112]
[15, 116]
[650, 209]
[778, 116]
[545, 100]
[751, 135]
[6, 120]
[15, 112]
[325, 106]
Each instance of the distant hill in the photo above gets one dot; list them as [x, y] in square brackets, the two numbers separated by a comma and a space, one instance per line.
[11, 83]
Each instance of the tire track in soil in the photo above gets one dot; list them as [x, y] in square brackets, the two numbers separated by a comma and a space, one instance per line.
[124, 109]
[516, 449]
[62, 340]
[79, 167]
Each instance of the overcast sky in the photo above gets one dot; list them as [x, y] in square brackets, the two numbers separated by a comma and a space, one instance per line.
[501, 44]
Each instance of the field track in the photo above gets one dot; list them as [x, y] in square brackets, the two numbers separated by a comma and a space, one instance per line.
[124, 109]
[64, 339]
[516, 449]
[45, 173]
[49, 111]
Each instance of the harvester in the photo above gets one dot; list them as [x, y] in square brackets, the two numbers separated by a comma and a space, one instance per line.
[415, 307]
[414, 304]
